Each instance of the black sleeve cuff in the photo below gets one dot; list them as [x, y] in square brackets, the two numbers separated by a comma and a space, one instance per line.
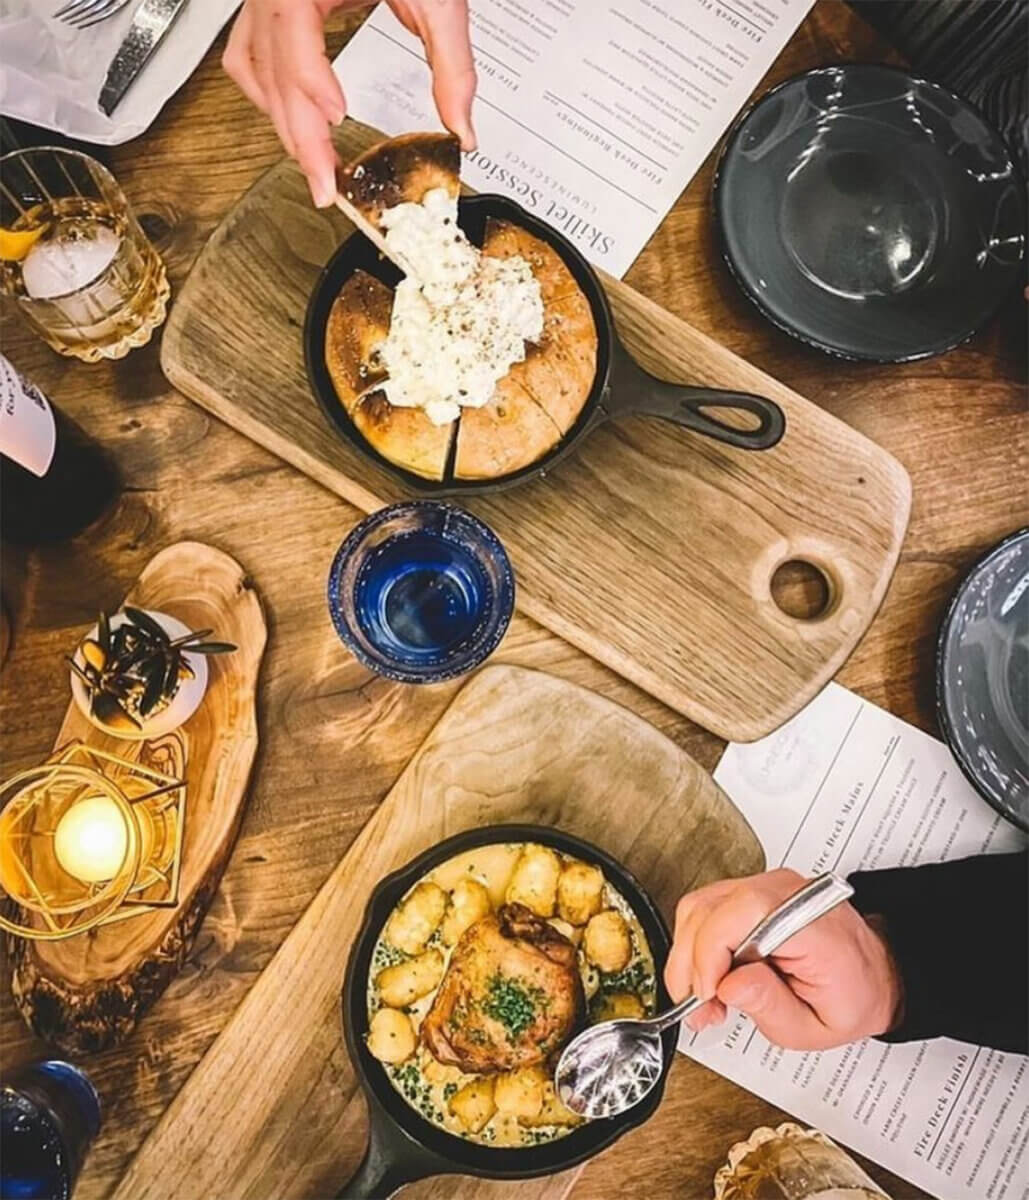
[959, 933]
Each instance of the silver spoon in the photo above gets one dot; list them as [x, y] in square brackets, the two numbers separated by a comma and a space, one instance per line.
[610, 1067]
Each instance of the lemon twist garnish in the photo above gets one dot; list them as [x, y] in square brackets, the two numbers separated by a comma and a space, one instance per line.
[16, 243]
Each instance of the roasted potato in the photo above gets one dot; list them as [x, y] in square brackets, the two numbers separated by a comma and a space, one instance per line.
[607, 942]
[391, 1037]
[552, 1111]
[408, 981]
[474, 1105]
[520, 1093]
[613, 1005]
[534, 881]
[437, 1072]
[469, 901]
[415, 919]
[580, 893]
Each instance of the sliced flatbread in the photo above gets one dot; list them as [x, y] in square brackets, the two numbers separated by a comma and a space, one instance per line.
[404, 436]
[510, 432]
[504, 240]
[358, 324]
[559, 371]
[401, 169]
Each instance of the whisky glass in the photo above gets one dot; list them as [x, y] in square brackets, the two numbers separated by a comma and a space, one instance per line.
[791, 1163]
[73, 257]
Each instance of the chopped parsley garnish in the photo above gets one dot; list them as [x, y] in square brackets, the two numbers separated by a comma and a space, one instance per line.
[387, 956]
[635, 978]
[513, 1003]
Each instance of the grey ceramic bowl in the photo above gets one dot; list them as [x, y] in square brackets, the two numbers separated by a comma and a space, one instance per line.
[870, 213]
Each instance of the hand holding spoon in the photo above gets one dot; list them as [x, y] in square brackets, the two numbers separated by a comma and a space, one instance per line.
[610, 1067]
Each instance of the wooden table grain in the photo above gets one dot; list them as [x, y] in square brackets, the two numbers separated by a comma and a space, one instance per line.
[334, 738]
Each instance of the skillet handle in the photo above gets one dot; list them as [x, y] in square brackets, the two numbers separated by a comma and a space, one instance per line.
[390, 1162]
[632, 389]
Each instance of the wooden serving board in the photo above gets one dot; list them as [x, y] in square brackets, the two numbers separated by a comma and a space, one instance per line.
[651, 548]
[274, 1108]
[89, 991]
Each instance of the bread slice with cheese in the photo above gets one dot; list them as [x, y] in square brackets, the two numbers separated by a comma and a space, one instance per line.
[559, 371]
[399, 170]
[358, 325]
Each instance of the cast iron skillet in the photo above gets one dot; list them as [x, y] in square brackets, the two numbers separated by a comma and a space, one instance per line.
[620, 387]
[403, 1146]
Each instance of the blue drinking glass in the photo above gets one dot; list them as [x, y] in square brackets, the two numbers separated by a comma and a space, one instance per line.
[49, 1117]
[421, 592]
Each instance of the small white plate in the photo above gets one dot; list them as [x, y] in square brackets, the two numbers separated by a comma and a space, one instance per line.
[187, 698]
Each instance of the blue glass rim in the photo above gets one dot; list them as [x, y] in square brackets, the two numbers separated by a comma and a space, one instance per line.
[481, 643]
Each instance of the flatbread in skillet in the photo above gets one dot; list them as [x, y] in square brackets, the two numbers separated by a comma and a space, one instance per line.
[401, 169]
[510, 432]
[358, 324]
[559, 371]
[504, 240]
[404, 436]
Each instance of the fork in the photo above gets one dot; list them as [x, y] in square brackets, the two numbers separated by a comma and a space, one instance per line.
[83, 13]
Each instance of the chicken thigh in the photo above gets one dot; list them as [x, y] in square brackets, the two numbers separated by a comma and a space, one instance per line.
[511, 996]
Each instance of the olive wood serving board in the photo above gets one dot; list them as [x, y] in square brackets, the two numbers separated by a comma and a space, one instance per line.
[89, 991]
[651, 548]
[274, 1108]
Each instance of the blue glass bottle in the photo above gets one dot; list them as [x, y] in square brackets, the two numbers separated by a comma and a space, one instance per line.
[49, 1117]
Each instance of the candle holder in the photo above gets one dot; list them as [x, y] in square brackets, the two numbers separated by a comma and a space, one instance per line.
[88, 838]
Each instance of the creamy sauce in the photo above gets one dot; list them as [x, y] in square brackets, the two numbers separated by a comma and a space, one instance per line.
[460, 321]
[428, 1085]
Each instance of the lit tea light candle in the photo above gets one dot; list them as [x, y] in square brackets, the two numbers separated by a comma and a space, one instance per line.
[92, 839]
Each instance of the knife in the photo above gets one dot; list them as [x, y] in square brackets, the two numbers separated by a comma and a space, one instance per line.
[151, 22]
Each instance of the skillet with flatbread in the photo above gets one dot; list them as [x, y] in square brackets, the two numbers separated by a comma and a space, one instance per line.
[358, 324]
[539, 399]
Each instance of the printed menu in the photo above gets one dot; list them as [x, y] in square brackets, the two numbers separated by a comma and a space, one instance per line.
[593, 114]
[845, 786]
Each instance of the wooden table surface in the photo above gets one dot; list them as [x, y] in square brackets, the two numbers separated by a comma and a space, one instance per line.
[334, 738]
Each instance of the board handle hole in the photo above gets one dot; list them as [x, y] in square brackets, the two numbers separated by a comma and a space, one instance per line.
[801, 590]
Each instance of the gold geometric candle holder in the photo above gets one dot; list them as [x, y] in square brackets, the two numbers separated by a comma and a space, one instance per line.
[89, 838]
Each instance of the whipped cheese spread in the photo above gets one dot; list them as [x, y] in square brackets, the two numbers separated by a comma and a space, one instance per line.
[460, 321]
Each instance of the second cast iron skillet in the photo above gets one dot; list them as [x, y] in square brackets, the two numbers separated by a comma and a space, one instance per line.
[621, 387]
[402, 1145]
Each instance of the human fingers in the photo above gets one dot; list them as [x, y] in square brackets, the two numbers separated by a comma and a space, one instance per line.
[263, 56]
[312, 143]
[729, 922]
[443, 25]
[237, 62]
[757, 990]
[301, 61]
[713, 1012]
[298, 58]
[689, 913]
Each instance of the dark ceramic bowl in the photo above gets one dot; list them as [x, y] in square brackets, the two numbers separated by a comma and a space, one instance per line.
[982, 677]
[403, 1146]
[869, 213]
